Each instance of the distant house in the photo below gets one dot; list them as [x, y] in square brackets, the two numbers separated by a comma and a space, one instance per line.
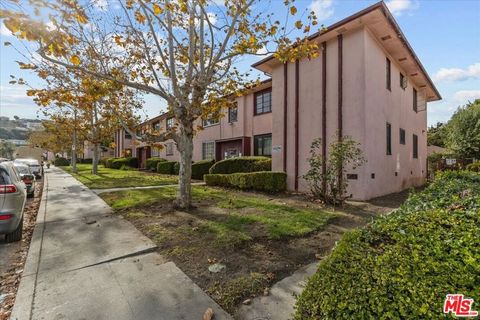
[367, 83]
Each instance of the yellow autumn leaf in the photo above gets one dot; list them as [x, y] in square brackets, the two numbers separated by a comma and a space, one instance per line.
[293, 10]
[299, 24]
[139, 17]
[157, 9]
[81, 18]
[75, 60]
[30, 93]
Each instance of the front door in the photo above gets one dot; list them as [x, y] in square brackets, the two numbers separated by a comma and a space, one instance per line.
[230, 149]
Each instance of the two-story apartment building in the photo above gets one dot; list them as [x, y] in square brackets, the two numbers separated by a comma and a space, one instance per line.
[367, 83]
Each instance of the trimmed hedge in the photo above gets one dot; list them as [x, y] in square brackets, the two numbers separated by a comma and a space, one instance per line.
[151, 163]
[475, 167]
[87, 161]
[402, 265]
[166, 167]
[61, 162]
[266, 181]
[117, 163]
[201, 168]
[109, 162]
[242, 164]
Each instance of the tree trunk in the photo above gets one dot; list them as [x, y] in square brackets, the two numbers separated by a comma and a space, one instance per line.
[74, 147]
[95, 158]
[185, 147]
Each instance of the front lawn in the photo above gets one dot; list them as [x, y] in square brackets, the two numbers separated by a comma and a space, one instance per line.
[259, 239]
[114, 178]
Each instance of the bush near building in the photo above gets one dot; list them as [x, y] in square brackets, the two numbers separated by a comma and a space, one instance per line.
[201, 168]
[118, 163]
[266, 181]
[242, 164]
[404, 264]
[61, 162]
[151, 163]
[166, 167]
[474, 166]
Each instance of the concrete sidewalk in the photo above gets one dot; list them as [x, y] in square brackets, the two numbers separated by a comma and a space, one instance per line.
[85, 263]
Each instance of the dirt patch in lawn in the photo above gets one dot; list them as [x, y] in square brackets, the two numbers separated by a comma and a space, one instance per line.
[13, 255]
[255, 240]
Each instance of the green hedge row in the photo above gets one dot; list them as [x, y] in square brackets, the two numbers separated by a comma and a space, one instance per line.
[474, 166]
[266, 181]
[167, 167]
[402, 265]
[118, 163]
[242, 164]
[151, 163]
[61, 162]
[201, 168]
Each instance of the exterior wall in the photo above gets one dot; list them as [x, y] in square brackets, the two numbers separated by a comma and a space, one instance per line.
[395, 107]
[247, 125]
[367, 106]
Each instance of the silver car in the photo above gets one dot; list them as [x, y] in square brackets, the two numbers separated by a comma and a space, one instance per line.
[13, 196]
[34, 165]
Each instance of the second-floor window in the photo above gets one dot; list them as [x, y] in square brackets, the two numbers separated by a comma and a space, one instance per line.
[263, 145]
[263, 101]
[156, 126]
[170, 123]
[389, 139]
[388, 74]
[128, 135]
[233, 113]
[415, 146]
[210, 122]
[415, 103]
[403, 81]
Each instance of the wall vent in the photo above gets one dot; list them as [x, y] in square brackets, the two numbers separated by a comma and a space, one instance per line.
[385, 38]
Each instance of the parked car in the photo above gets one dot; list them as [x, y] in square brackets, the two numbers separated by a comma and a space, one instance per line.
[34, 165]
[13, 196]
[27, 177]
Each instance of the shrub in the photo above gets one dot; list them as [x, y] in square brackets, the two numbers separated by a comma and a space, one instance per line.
[109, 162]
[151, 163]
[259, 181]
[201, 168]
[88, 161]
[176, 168]
[117, 163]
[474, 166]
[242, 164]
[61, 162]
[166, 167]
[403, 264]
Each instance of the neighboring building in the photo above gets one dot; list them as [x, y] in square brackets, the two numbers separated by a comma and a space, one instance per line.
[28, 152]
[88, 147]
[367, 83]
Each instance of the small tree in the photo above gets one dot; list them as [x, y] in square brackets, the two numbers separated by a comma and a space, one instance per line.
[6, 149]
[331, 185]
[463, 131]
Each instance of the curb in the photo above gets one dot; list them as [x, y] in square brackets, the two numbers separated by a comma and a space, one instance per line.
[22, 309]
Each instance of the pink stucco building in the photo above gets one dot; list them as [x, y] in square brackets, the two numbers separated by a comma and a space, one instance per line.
[367, 83]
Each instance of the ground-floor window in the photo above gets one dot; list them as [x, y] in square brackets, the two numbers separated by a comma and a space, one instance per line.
[389, 138]
[208, 150]
[263, 145]
[415, 146]
[169, 149]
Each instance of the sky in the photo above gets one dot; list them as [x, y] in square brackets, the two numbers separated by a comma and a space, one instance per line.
[445, 34]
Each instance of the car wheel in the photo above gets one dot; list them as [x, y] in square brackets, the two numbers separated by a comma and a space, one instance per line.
[15, 235]
[31, 195]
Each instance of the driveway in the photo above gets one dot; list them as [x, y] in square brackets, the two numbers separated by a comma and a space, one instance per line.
[85, 263]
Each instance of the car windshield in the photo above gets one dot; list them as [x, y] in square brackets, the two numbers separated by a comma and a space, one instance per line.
[23, 169]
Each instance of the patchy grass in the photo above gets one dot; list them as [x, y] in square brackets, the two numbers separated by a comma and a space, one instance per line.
[259, 238]
[113, 178]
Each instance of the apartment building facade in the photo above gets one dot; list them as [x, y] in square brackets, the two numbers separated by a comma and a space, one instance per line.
[367, 83]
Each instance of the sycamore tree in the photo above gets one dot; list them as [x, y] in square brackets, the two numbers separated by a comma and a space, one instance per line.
[183, 51]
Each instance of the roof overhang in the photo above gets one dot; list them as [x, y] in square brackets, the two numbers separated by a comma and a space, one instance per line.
[378, 19]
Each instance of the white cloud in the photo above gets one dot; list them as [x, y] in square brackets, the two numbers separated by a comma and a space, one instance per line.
[457, 74]
[4, 31]
[262, 51]
[322, 8]
[397, 7]
[100, 4]
[467, 95]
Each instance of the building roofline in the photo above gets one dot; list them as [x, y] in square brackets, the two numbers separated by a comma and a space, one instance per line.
[388, 15]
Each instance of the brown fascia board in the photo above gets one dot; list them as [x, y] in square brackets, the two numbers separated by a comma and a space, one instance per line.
[379, 5]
